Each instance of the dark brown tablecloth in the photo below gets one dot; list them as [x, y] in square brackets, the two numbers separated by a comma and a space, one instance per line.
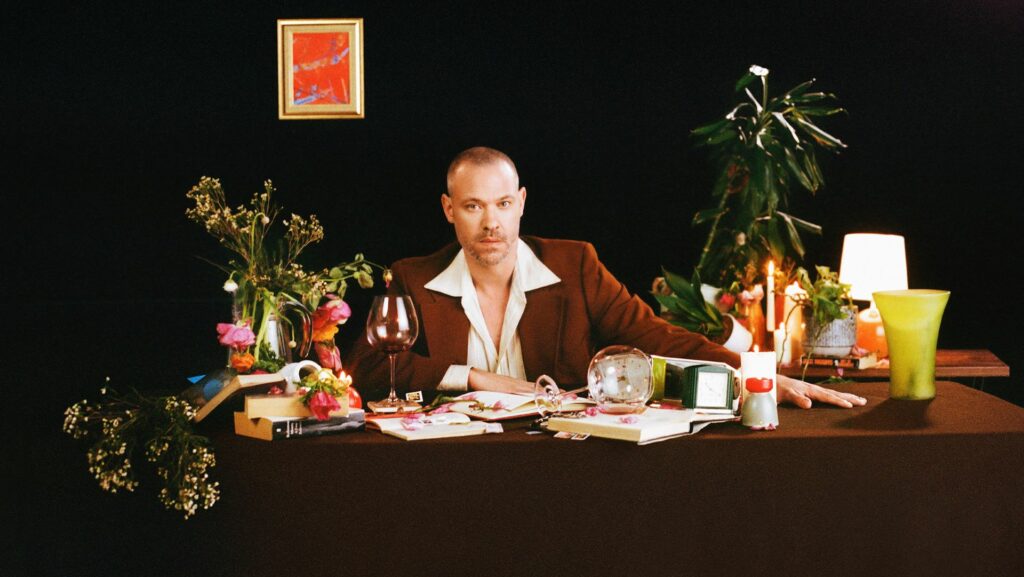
[908, 488]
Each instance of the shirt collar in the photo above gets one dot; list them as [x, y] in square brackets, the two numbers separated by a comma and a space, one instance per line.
[530, 273]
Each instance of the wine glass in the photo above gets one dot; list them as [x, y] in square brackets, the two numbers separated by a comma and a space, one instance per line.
[392, 327]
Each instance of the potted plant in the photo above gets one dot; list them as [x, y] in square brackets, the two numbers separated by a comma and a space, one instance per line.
[762, 148]
[829, 313]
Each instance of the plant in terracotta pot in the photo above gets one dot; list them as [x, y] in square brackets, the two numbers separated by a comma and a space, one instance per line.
[829, 313]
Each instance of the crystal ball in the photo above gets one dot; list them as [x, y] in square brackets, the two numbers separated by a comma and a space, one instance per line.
[619, 379]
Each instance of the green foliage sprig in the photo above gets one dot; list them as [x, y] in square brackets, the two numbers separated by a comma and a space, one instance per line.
[686, 305]
[826, 296]
[125, 432]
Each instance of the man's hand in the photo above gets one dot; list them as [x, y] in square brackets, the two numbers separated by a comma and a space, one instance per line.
[804, 394]
[485, 381]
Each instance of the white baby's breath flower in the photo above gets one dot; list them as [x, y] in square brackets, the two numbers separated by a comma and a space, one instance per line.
[230, 286]
[758, 70]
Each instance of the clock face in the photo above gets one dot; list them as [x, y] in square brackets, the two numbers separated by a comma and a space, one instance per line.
[712, 389]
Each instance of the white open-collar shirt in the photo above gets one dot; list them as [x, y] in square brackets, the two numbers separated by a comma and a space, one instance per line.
[530, 274]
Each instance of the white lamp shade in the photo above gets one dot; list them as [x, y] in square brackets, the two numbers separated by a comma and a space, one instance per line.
[873, 262]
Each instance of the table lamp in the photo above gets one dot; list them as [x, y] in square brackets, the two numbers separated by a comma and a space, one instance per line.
[872, 262]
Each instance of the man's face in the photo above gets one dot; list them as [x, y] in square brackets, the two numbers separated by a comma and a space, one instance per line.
[485, 206]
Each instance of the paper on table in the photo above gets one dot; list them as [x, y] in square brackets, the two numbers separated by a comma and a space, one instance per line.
[445, 425]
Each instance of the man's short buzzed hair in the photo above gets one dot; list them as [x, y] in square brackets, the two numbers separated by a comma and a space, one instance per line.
[479, 156]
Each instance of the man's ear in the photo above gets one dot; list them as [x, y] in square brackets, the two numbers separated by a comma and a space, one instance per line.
[522, 200]
[446, 206]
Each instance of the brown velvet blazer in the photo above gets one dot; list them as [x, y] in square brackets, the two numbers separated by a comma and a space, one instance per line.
[562, 327]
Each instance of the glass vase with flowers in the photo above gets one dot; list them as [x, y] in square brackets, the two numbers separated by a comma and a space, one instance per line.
[276, 301]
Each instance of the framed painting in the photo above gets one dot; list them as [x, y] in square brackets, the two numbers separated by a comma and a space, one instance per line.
[320, 68]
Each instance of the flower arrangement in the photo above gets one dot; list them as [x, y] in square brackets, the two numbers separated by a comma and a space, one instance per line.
[320, 389]
[264, 276]
[156, 433]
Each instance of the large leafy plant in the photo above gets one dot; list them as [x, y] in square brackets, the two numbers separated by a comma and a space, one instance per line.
[762, 148]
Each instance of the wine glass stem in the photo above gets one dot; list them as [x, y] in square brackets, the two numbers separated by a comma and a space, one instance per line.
[392, 397]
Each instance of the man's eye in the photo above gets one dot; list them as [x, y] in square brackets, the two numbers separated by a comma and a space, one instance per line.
[472, 206]
[505, 203]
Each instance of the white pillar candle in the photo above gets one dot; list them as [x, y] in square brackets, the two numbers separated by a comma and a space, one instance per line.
[793, 316]
[758, 366]
[783, 349]
[771, 296]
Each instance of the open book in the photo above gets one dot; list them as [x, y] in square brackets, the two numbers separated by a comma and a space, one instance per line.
[494, 406]
[651, 426]
[432, 427]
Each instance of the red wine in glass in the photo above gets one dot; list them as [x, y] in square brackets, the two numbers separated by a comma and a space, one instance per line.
[392, 328]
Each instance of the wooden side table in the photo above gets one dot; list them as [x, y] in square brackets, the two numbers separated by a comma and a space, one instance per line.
[972, 365]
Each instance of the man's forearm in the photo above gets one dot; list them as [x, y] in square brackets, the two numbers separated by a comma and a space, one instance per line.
[485, 381]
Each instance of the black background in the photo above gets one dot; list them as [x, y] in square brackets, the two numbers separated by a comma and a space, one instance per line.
[112, 111]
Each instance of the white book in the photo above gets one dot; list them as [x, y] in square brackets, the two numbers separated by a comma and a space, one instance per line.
[494, 406]
[651, 426]
[437, 427]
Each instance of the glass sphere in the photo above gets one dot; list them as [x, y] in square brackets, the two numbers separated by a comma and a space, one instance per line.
[619, 379]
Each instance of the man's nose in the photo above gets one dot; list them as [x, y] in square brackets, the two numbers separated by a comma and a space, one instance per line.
[491, 219]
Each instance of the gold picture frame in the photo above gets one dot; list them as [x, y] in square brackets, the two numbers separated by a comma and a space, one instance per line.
[320, 68]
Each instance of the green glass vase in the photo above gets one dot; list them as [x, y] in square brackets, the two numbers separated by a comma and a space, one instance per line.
[911, 319]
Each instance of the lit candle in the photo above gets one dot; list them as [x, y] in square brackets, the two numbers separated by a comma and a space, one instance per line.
[760, 366]
[771, 296]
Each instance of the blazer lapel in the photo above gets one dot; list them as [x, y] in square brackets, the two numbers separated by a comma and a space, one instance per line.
[540, 330]
[445, 328]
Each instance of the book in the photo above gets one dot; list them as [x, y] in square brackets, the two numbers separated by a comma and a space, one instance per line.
[846, 362]
[651, 426]
[502, 406]
[276, 428]
[437, 427]
[257, 406]
[207, 393]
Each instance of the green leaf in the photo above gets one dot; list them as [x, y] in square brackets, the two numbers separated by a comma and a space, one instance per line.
[820, 111]
[797, 90]
[796, 170]
[782, 120]
[335, 272]
[708, 214]
[744, 81]
[811, 97]
[811, 165]
[802, 224]
[720, 137]
[677, 283]
[794, 236]
[709, 128]
[820, 136]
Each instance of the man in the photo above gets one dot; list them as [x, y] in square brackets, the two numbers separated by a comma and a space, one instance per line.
[497, 311]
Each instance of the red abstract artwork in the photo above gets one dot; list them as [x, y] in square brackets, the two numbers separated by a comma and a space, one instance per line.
[320, 68]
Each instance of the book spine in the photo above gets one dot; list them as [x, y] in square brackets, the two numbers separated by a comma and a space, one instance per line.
[314, 428]
[827, 362]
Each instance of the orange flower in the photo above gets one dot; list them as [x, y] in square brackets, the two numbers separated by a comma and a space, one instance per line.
[242, 362]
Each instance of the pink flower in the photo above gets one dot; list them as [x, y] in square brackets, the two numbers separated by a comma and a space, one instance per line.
[329, 355]
[499, 406]
[445, 408]
[275, 390]
[628, 419]
[468, 397]
[726, 301]
[328, 316]
[590, 411]
[413, 422]
[236, 336]
[322, 404]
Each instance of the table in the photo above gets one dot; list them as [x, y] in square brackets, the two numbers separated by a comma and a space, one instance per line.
[909, 488]
[972, 365]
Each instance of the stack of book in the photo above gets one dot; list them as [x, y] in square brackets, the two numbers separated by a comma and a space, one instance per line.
[845, 362]
[265, 415]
